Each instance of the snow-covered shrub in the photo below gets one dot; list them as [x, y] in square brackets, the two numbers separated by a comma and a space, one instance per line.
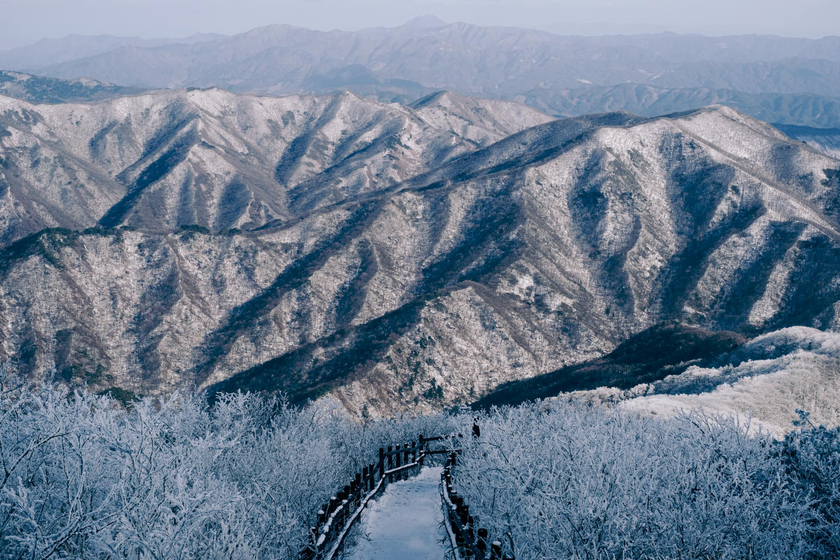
[577, 482]
[81, 477]
[812, 456]
[175, 478]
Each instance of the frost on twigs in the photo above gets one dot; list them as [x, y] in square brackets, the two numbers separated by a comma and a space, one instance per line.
[171, 478]
[578, 481]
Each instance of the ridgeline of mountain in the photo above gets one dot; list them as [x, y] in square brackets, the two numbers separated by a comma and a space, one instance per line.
[48, 52]
[388, 256]
[775, 79]
[40, 89]
[221, 161]
[650, 101]
[467, 58]
[670, 369]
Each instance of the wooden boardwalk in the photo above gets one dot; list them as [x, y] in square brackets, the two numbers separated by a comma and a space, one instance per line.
[404, 522]
[338, 518]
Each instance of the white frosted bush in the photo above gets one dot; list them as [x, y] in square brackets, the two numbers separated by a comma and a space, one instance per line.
[579, 482]
[80, 477]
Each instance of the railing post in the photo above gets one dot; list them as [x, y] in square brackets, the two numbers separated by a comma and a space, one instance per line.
[381, 464]
[399, 460]
[420, 448]
[481, 543]
[345, 513]
[333, 505]
[390, 463]
[339, 502]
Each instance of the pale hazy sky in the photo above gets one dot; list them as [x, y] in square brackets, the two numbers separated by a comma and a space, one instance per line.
[25, 21]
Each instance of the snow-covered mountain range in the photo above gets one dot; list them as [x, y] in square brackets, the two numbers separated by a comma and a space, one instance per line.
[392, 257]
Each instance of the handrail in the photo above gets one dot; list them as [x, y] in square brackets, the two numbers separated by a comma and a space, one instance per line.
[336, 518]
[446, 503]
[460, 525]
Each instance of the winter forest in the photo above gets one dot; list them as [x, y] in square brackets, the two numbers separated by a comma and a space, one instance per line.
[83, 476]
[419, 280]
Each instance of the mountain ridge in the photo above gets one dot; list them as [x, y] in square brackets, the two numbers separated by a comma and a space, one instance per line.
[209, 142]
[776, 79]
[488, 254]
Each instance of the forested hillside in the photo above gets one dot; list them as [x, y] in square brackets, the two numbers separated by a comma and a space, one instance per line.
[85, 478]
[396, 258]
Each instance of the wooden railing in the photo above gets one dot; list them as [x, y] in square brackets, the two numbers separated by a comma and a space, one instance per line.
[467, 541]
[336, 518]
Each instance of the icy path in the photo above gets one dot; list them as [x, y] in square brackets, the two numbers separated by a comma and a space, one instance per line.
[404, 522]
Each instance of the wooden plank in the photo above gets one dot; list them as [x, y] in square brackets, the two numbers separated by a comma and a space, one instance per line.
[353, 518]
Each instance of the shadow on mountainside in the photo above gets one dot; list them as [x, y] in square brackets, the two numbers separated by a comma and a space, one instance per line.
[662, 350]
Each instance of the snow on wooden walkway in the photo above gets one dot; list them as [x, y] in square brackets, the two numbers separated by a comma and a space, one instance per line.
[403, 523]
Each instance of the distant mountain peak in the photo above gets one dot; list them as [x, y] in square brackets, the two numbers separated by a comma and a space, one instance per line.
[426, 22]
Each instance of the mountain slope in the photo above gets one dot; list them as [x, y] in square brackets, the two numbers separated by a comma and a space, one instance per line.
[766, 380]
[826, 140]
[672, 369]
[449, 271]
[48, 52]
[467, 58]
[647, 100]
[38, 89]
[647, 357]
[221, 161]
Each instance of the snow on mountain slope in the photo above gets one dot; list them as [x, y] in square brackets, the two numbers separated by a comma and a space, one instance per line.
[767, 379]
[482, 121]
[387, 262]
[215, 159]
[573, 235]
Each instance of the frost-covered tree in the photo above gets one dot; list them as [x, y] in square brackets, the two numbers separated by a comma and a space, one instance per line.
[812, 458]
[588, 483]
[83, 477]
[174, 478]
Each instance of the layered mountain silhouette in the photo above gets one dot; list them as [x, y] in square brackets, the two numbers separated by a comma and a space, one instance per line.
[392, 256]
[776, 79]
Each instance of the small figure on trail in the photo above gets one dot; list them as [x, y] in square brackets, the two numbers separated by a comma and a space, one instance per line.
[476, 428]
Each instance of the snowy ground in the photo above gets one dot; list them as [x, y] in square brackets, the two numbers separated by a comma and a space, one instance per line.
[404, 522]
[766, 380]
